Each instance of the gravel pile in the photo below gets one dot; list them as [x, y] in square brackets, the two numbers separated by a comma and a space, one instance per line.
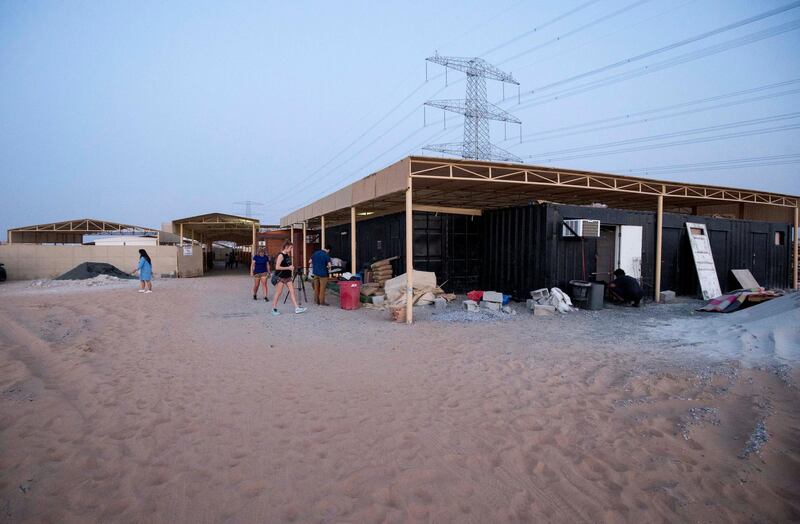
[89, 270]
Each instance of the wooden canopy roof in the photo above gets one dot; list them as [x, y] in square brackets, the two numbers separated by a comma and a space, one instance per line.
[72, 231]
[472, 186]
[212, 227]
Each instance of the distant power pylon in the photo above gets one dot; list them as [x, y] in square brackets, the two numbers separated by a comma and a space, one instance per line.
[476, 109]
[248, 207]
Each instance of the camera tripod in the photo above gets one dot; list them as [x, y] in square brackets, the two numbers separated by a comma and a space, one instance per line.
[301, 285]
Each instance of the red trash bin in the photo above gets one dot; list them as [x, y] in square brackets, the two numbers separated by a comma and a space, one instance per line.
[349, 294]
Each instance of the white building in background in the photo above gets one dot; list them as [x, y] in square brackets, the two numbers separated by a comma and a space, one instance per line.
[125, 240]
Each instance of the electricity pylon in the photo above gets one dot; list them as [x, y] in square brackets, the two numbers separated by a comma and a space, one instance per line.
[477, 110]
[248, 207]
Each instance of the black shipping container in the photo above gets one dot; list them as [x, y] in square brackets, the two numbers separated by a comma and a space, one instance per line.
[516, 250]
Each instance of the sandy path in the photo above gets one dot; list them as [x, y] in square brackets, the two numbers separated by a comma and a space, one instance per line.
[192, 405]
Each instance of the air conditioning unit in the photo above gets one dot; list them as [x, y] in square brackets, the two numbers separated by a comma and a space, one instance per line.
[583, 227]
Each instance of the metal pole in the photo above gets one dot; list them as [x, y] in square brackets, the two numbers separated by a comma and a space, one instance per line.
[659, 227]
[353, 265]
[322, 226]
[255, 239]
[409, 253]
[794, 248]
[305, 256]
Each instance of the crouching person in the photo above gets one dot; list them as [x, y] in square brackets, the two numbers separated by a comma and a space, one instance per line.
[625, 289]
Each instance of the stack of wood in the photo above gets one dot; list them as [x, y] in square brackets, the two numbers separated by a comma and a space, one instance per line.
[382, 270]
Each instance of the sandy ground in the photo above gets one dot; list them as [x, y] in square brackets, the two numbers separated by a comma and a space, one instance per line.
[192, 404]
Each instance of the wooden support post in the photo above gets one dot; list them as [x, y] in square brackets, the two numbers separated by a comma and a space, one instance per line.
[10, 237]
[291, 233]
[158, 238]
[255, 239]
[305, 255]
[794, 247]
[409, 253]
[181, 235]
[659, 230]
[353, 265]
[322, 237]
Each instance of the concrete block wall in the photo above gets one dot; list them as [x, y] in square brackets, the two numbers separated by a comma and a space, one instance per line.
[33, 261]
[190, 266]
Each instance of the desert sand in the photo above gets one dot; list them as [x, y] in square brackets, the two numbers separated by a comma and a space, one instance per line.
[193, 404]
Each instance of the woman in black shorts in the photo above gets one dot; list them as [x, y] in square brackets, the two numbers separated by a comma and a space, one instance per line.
[284, 269]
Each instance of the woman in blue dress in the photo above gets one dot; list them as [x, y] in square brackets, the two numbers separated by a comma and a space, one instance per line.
[145, 270]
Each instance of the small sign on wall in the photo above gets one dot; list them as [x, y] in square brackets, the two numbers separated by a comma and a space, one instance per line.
[187, 251]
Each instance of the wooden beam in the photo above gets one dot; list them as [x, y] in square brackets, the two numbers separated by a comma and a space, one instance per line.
[448, 210]
[322, 229]
[353, 265]
[659, 231]
[409, 252]
[305, 255]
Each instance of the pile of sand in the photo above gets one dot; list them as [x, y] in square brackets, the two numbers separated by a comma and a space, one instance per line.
[765, 334]
[88, 270]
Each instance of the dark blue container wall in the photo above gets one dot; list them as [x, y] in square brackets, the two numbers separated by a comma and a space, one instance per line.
[736, 244]
[515, 250]
[378, 238]
[523, 249]
[448, 245]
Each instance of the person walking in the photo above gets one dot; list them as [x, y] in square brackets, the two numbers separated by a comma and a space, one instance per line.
[284, 270]
[320, 266]
[145, 270]
[259, 270]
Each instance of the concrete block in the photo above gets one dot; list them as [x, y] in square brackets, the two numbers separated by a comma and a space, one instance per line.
[530, 303]
[491, 306]
[665, 297]
[540, 294]
[492, 296]
[439, 303]
[470, 305]
[540, 310]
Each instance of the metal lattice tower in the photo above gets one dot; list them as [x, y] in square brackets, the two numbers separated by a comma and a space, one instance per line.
[476, 109]
[248, 207]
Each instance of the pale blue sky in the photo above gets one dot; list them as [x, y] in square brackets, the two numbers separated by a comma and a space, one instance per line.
[146, 111]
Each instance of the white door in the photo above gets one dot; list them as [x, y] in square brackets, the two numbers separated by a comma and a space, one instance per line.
[703, 260]
[629, 250]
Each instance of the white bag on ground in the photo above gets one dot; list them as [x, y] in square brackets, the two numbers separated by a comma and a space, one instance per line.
[424, 282]
[560, 300]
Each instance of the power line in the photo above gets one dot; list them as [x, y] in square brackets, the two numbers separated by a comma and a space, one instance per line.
[672, 144]
[638, 23]
[716, 165]
[675, 45]
[593, 23]
[540, 27]
[689, 103]
[654, 119]
[644, 70]
[695, 131]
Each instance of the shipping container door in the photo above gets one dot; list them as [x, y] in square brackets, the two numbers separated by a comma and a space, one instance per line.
[758, 266]
[629, 250]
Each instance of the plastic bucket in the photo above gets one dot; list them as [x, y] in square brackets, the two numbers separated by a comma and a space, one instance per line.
[349, 294]
[579, 290]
